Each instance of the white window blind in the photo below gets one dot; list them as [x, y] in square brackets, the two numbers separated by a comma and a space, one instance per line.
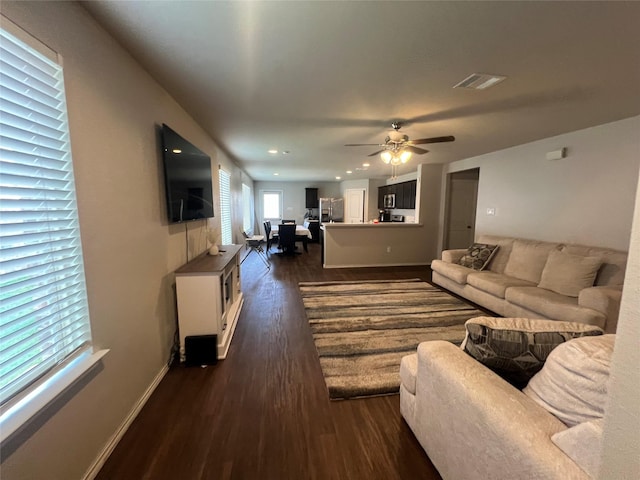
[247, 209]
[44, 317]
[225, 206]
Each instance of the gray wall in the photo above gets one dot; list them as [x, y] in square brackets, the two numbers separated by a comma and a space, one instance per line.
[115, 109]
[587, 197]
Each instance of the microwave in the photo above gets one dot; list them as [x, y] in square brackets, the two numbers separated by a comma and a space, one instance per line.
[389, 200]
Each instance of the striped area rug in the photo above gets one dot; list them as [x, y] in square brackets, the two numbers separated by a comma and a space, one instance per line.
[363, 329]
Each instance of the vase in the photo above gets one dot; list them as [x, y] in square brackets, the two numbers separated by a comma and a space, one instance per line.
[213, 250]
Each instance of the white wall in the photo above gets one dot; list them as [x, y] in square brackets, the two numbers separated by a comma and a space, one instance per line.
[585, 198]
[621, 436]
[115, 110]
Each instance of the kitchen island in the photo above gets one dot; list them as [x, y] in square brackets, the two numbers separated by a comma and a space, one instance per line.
[376, 244]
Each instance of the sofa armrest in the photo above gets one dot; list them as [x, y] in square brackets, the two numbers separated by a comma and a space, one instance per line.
[453, 256]
[473, 424]
[603, 299]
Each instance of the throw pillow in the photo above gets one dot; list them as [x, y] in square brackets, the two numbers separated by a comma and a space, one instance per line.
[478, 256]
[567, 274]
[516, 348]
[572, 385]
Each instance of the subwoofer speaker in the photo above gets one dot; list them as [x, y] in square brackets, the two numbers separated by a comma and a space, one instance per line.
[201, 350]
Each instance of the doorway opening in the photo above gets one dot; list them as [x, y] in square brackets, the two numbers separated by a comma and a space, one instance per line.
[460, 208]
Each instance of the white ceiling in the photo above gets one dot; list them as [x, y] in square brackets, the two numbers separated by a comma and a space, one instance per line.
[309, 77]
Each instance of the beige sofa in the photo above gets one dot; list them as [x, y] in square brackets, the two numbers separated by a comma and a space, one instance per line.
[474, 425]
[509, 284]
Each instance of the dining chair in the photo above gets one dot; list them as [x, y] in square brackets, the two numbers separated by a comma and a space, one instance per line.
[287, 222]
[267, 233]
[287, 238]
[255, 243]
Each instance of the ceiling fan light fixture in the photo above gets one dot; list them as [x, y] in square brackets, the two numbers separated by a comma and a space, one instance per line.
[386, 156]
[405, 156]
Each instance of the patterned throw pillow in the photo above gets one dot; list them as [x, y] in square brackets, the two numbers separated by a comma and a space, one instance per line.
[478, 256]
[516, 348]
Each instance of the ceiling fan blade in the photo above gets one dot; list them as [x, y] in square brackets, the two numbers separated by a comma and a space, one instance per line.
[376, 153]
[362, 145]
[417, 150]
[421, 141]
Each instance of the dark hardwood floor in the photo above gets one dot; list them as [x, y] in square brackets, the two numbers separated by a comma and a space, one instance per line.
[264, 412]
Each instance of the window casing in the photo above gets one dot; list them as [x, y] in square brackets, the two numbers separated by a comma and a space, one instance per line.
[44, 315]
[272, 205]
[247, 209]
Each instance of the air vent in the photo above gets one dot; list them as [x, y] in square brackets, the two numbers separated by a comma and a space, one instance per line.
[479, 81]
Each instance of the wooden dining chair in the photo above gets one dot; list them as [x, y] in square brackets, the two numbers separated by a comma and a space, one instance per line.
[287, 238]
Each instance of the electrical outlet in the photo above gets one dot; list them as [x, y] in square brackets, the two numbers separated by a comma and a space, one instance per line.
[389, 249]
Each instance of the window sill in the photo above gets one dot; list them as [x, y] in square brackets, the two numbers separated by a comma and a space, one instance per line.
[17, 414]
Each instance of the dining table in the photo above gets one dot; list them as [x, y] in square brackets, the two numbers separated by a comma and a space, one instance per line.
[303, 234]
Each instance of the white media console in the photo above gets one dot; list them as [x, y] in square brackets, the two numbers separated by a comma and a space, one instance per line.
[209, 297]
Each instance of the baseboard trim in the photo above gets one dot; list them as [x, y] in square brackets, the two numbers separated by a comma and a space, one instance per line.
[117, 436]
[377, 265]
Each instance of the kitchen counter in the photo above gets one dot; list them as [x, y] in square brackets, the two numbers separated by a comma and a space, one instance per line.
[373, 244]
[370, 225]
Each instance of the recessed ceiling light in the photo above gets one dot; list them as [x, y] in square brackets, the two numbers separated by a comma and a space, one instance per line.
[273, 151]
[480, 81]
[338, 178]
[349, 171]
[366, 165]
[286, 152]
[276, 174]
[176, 150]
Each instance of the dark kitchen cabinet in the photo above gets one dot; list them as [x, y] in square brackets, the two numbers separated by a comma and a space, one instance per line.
[405, 193]
[311, 198]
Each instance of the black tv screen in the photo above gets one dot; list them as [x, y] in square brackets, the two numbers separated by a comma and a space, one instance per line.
[188, 181]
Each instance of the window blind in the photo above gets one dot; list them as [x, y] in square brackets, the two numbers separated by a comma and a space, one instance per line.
[44, 317]
[225, 206]
[247, 209]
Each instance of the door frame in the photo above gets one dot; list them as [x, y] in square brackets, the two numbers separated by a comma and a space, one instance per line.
[473, 173]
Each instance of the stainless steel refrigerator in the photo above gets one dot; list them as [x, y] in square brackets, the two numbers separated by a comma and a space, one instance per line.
[331, 210]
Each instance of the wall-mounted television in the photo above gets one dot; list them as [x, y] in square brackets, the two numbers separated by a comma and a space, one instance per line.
[188, 180]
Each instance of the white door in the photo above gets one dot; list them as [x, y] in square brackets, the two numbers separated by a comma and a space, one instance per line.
[462, 212]
[355, 205]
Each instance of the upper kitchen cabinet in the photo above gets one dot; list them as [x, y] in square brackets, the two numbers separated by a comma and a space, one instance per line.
[405, 194]
[311, 198]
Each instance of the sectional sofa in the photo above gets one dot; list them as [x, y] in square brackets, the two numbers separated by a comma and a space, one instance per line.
[535, 279]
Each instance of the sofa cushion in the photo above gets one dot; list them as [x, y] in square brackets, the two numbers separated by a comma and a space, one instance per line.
[583, 444]
[553, 305]
[501, 257]
[408, 372]
[613, 267]
[567, 274]
[528, 258]
[572, 385]
[478, 256]
[455, 272]
[495, 283]
[516, 348]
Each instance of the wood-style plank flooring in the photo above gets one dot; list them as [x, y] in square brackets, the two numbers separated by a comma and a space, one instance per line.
[264, 412]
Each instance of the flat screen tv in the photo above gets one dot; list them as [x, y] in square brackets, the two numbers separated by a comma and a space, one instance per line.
[188, 181]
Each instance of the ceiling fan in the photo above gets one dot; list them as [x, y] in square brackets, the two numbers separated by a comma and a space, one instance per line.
[397, 148]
